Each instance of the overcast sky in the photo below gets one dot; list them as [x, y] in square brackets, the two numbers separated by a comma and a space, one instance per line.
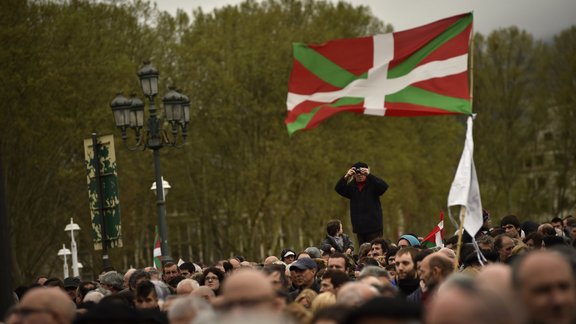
[541, 18]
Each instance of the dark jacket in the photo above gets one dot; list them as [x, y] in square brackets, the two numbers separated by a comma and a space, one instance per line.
[329, 242]
[365, 208]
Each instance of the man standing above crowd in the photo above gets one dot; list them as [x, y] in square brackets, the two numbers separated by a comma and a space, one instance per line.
[363, 190]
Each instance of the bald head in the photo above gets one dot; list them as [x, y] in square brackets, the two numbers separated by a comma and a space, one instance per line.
[186, 286]
[496, 278]
[204, 292]
[55, 304]
[545, 287]
[248, 289]
[354, 294]
[270, 260]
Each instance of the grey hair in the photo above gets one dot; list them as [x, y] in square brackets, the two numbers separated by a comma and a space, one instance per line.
[373, 271]
[181, 307]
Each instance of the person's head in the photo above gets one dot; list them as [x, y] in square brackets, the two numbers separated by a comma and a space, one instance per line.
[460, 300]
[187, 269]
[407, 240]
[306, 297]
[213, 278]
[386, 310]
[354, 294]
[276, 275]
[379, 247]
[534, 240]
[570, 226]
[83, 289]
[503, 244]
[338, 261]
[434, 269]
[545, 287]
[485, 242]
[146, 296]
[170, 270]
[364, 249]
[185, 310]
[303, 272]
[332, 280]
[45, 305]
[313, 252]
[359, 174]
[323, 300]
[404, 261]
[205, 293]
[127, 275]
[137, 277]
[71, 285]
[287, 256]
[112, 281]
[186, 286]
[334, 227]
[248, 290]
[382, 275]
[558, 223]
[511, 225]
[496, 278]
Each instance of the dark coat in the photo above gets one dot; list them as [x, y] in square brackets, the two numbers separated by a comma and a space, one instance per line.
[329, 242]
[365, 208]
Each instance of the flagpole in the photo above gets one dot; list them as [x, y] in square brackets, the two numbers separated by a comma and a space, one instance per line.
[460, 234]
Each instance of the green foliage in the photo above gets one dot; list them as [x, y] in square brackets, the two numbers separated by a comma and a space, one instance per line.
[241, 185]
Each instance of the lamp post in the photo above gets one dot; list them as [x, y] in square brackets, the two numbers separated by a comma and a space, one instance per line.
[63, 253]
[130, 113]
[71, 228]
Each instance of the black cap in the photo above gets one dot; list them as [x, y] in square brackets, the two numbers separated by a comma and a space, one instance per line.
[71, 282]
[360, 165]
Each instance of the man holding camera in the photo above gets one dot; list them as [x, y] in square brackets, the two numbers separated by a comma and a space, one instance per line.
[364, 191]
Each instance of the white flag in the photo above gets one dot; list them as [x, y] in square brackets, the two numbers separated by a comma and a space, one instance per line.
[465, 190]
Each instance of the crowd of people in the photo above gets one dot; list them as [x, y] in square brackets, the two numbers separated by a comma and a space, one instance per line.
[526, 275]
[512, 273]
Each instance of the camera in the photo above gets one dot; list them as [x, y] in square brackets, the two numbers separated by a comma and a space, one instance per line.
[357, 170]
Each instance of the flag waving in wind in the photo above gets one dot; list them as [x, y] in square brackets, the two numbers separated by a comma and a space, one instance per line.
[157, 251]
[436, 236]
[465, 190]
[416, 72]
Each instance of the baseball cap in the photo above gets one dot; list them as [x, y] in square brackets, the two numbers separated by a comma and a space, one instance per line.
[286, 253]
[304, 264]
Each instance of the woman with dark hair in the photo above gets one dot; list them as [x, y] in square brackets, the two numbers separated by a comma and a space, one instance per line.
[213, 279]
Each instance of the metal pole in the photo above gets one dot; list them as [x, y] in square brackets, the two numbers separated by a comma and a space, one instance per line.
[66, 272]
[6, 292]
[161, 208]
[96, 148]
[75, 271]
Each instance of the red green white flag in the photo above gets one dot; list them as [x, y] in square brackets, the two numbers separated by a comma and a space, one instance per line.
[157, 254]
[416, 72]
[436, 236]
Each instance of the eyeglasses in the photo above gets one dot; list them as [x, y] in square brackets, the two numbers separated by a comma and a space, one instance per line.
[212, 278]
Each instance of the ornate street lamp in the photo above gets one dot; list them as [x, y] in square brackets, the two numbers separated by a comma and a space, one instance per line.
[129, 113]
[71, 228]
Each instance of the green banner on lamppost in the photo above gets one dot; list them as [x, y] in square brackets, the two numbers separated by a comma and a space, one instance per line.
[103, 198]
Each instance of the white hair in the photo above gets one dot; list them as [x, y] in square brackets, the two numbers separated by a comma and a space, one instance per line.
[93, 296]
